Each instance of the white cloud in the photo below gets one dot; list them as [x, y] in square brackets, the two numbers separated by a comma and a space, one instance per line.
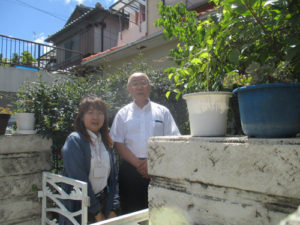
[79, 1]
[40, 38]
[75, 1]
[104, 3]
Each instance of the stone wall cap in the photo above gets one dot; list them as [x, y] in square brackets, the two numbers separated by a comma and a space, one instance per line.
[24, 143]
[228, 139]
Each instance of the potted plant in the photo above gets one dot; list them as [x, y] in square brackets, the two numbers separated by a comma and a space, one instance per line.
[5, 115]
[24, 115]
[267, 63]
[198, 74]
[251, 42]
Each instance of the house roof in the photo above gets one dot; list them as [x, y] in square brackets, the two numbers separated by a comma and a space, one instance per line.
[132, 48]
[80, 13]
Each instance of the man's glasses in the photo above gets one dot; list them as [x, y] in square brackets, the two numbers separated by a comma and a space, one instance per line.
[139, 84]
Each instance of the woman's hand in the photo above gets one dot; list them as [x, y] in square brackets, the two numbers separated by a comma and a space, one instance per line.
[111, 214]
[99, 217]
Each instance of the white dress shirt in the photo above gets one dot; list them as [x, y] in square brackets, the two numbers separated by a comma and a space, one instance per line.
[100, 163]
[133, 126]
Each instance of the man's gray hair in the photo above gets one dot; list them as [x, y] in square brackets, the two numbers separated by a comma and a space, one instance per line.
[137, 73]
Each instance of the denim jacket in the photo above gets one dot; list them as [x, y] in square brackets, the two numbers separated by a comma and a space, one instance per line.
[77, 162]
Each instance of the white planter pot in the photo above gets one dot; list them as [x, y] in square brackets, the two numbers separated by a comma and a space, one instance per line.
[208, 113]
[25, 123]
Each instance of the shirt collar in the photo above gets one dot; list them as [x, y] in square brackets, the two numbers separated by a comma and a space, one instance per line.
[93, 136]
[146, 107]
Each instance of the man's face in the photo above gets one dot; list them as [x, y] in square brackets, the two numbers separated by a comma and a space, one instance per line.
[139, 87]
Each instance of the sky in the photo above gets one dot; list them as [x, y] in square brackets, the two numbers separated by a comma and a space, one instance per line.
[35, 20]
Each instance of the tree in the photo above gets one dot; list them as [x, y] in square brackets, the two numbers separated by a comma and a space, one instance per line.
[15, 59]
[27, 58]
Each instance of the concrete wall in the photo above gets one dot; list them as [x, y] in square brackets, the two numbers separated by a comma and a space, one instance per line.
[152, 16]
[232, 180]
[133, 33]
[12, 78]
[22, 160]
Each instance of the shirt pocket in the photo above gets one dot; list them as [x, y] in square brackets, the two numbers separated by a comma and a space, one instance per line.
[158, 128]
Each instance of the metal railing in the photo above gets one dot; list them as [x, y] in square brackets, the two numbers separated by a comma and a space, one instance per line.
[17, 52]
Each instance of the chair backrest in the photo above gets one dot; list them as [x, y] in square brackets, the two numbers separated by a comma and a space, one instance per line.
[53, 196]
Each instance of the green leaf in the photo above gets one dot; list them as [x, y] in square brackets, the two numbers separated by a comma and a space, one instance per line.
[204, 55]
[168, 94]
[196, 61]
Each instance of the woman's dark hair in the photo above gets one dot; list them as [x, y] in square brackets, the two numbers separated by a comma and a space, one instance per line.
[87, 103]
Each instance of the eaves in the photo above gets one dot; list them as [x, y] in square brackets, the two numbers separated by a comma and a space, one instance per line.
[133, 48]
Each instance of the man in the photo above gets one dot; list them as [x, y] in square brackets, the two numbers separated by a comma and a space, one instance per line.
[133, 125]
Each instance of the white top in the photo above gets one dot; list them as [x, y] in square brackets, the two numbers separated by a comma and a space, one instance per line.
[100, 164]
[133, 126]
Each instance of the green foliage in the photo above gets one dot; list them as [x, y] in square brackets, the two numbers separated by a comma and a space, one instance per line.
[197, 55]
[5, 110]
[272, 52]
[27, 58]
[34, 188]
[3, 60]
[15, 59]
[250, 38]
[23, 104]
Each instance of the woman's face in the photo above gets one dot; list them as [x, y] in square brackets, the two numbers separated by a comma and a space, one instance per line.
[93, 120]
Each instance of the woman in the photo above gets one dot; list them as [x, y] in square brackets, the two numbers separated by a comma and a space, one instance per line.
[88, 156]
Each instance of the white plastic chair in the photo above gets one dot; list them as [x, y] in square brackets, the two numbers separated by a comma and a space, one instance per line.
[53, 193]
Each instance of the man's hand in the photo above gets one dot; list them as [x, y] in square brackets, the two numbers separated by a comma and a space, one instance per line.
[99, 217]
[139, 164]
[142, 168]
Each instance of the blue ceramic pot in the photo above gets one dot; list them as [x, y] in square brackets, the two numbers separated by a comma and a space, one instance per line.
[270, 110]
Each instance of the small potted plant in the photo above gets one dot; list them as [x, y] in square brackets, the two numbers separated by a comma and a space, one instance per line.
[198, 74]
[5, 115]
[24, 115]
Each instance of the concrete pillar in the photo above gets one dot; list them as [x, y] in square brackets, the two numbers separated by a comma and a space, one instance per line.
[22, 160]
[223, 180]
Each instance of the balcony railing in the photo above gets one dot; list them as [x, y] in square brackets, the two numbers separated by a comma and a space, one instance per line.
[17, 52]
